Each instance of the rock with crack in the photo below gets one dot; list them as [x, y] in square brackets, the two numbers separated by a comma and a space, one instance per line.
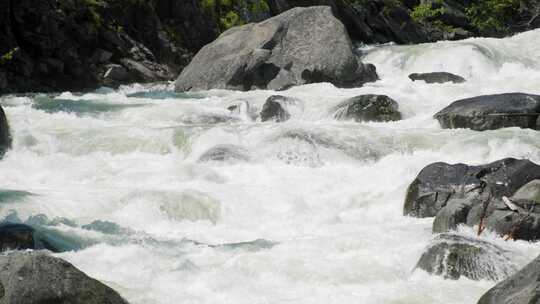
[453, 256]
[299, 46]
[439, 182]
[368, 108]
[492, 112]
[437, 77]
[521, 288]
[475, 195]
[36, 278]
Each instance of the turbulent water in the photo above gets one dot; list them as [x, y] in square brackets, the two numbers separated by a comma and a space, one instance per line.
[309, 210]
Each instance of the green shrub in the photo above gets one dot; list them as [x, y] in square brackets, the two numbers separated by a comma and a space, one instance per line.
[492, 14]
[7, 57]
[424, 11]
[230, 19]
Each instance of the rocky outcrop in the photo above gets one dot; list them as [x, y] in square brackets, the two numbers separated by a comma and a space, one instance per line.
[453, 256]
[5, 136]
[491, 112]
[521, 288]
[368, 108]
[275, 108]
[437, 77]
[36, 278]
[76, 44]
[300, 46]
[478, 195]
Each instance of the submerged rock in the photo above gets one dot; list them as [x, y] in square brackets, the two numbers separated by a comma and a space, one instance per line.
[521, 288]
[5, 136]
[299, 46]
[255, 245]
[225, 153]
[191, 205]
[453, 256]
[491, 112]
[17, 236]
[36, 278]
[437, 77]
[105, 227]
[275, 108]
[368, 108]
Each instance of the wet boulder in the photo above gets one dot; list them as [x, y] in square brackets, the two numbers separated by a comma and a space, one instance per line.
[453, 256]
[225, 153]
[490, 112]
[368, 108]
[438, 183]
[275, 108]
[477, 195]
[16, 237]
[521, 288]
[5, 136]
[437, 77]
[529, 192]
[299, 46]
[35, 278]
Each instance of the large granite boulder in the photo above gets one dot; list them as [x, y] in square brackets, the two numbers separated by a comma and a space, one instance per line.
[37, 278]
[368, 107]
[521, 288]
[491, 112]
[453, 256]
[5, 136]
[299, 46]
[437, 77]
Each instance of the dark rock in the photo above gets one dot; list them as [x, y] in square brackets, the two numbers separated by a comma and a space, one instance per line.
[36, 278]
[470, 195]
[451, 215]
[275, 108]
[116, 73]
[453, 256]
[35, 235]
[225, 153]
[300, 46]
[521, 288]
[380, 21]
[67, 45]
[437, 183]
[16, 237]
[368, 108]
[5, 136]
[437, 77]
[491, 112]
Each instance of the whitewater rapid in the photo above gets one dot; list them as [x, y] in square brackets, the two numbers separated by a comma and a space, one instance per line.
[326, 195]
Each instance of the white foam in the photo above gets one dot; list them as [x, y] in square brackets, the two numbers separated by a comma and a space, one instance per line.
[330, 193]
